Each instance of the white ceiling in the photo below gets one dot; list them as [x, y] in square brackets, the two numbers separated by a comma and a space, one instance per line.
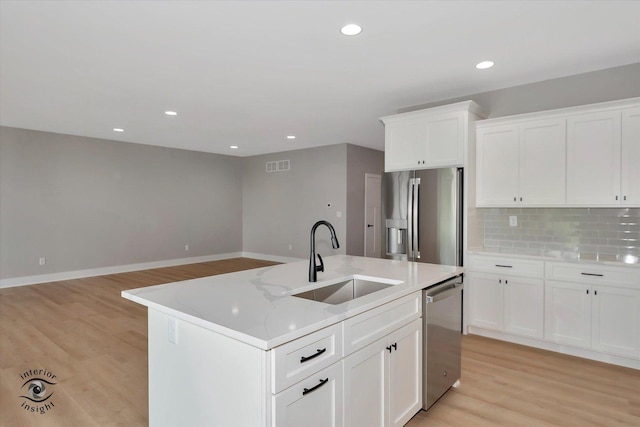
[248, 73]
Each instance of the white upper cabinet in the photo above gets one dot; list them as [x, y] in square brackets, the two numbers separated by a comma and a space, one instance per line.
[521, 164]
[430, 138]
[579, 156]
[593, 159]
[630, 167]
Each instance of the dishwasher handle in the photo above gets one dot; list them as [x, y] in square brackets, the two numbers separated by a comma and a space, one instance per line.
[445, 292]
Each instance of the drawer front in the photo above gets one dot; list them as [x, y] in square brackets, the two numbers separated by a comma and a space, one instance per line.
[365, 328]
[295, 360]
[628, 277]
[505, 265]
[316, 401]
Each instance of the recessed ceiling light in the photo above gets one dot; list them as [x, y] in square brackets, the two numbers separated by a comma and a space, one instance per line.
[118, 130]
[171, 113]
[291, 137]
[484, 65]
[351, 30]
[233, 146]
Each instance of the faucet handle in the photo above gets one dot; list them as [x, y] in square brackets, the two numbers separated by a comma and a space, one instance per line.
[321, 266]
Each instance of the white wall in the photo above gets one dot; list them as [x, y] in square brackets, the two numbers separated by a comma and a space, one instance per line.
[279, 208]
[85, 203]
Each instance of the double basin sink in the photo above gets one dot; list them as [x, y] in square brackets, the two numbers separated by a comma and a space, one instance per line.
[346, 289]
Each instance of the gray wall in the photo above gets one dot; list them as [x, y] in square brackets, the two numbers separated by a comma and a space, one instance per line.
[279, 208]
[359, 162]
[588, 88]
[87, 203]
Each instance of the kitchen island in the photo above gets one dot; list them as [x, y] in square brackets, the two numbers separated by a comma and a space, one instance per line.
[241, 349]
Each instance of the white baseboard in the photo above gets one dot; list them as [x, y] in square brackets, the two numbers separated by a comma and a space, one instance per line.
[267, 257]
[78, 274]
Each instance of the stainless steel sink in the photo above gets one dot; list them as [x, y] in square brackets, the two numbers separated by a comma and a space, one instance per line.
[346, 290]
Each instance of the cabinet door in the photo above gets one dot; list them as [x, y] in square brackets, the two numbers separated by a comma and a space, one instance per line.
[497, 166]
[542, 163]
[616, 320]
[523, 306]
[405, 373]
[630, 168]
[567, 309]
[444, 145]
[593, 159]
[404, 144]
[366, 384]
[315, 401]
[486, 300]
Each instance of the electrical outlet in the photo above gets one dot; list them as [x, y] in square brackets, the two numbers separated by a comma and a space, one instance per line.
[172, 332]
[42, 261]
[338, 214]
[513, 221]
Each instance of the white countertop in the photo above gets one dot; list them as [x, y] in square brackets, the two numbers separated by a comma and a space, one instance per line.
[552, 255]
[255, 306]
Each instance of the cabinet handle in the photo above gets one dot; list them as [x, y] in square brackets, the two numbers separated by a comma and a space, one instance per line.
[587, 291]
[314, 388]
[307, 358]
[394, 345]
[499, 281]
[504, 266]
[389, 348]
[506, 282]
[595, 292]
[520, 198]
[592, 274]
[514, 199]
[624, 198]
[616, 197]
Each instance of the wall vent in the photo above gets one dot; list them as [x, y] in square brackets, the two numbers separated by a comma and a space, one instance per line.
[278, 166]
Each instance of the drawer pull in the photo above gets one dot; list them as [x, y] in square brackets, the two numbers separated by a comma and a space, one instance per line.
[314, 388]
[504, 266]
[592, 274]
[307, 358]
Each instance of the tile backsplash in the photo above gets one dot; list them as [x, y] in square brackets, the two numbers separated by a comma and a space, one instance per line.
[614, 231]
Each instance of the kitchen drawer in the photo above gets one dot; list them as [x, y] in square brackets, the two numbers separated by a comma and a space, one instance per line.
[314, 401]
[505, 265]
[295, 360]
[593, 274]
[363, 329]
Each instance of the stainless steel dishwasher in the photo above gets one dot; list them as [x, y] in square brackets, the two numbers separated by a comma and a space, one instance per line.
[442, 335]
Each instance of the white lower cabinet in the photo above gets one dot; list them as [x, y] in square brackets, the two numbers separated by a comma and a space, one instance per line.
[603, 318]
[383, 380]
[506, 303]
[315, 401]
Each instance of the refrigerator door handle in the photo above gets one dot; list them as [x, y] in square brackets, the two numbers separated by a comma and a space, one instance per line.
[414, 214]
[410, 220]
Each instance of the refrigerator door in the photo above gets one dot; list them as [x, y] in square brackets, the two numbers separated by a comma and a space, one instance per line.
[439, 226]
[395, 210]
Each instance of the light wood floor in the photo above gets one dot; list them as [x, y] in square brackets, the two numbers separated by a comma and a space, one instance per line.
[95, 342]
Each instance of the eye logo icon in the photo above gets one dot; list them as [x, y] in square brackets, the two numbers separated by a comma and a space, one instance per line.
[36, 390]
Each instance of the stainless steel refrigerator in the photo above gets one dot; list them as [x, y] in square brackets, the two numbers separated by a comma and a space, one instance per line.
[422, 213]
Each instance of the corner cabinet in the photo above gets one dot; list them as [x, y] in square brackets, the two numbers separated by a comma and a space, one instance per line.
[580, 156]
[430, 138]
